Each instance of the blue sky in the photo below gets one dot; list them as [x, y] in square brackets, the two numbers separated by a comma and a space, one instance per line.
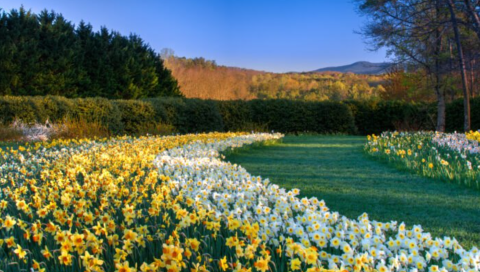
[269, 35]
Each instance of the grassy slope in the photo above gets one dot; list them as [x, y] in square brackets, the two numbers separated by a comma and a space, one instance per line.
[334, 168]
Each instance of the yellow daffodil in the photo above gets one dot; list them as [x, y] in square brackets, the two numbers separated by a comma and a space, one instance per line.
[20, 252]
[295, 264]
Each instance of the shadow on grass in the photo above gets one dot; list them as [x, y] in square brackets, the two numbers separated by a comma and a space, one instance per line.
[334, 168]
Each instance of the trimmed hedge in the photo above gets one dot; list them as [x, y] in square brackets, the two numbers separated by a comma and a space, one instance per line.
[287, 116]
[187, 115]
[134, 115]
[195, 115]
[377, 116]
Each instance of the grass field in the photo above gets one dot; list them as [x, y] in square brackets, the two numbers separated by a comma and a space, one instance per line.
[334, 168]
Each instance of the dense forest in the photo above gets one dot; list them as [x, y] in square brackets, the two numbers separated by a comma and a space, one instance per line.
[44, 54]
[200, 78]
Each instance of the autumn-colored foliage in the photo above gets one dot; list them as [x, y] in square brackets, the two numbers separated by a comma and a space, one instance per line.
[203, 79]
[200, 78]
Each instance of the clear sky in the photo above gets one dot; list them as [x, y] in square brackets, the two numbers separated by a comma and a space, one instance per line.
[269, 35]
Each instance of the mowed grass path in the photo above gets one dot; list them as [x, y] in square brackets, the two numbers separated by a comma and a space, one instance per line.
[334, 168]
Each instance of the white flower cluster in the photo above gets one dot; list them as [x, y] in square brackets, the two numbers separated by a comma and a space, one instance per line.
[197, 172]
[457, 142]
[37, 132]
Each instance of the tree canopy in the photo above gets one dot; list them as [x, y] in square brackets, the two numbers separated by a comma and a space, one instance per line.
[44, 54]
[437, 37]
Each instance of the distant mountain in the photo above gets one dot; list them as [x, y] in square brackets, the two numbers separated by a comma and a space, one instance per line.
[361, 67]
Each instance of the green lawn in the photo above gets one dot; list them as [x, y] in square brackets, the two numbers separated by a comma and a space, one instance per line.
[334, 168]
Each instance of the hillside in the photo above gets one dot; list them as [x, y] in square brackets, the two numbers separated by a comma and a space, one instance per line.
[200, 78]
[361, 67]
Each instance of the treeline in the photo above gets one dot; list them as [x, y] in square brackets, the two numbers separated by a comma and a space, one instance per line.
[200, 78]
[204, 79]
[194, 115]
[44, 54]
[414, 85]
[333, 86]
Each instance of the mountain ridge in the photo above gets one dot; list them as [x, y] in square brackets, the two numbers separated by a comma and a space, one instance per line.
[359, 67]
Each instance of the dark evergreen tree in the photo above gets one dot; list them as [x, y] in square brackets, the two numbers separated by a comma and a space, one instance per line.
[45, 54]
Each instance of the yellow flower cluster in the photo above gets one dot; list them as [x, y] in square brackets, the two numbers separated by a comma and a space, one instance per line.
[473, 135]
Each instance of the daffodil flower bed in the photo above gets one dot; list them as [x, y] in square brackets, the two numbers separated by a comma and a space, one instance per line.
[452, 157]
[172, 204]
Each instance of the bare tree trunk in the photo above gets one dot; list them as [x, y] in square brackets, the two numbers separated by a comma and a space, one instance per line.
[473, 16]
[472, 78]
[452, 90]
[437, 75]
[440, 108]
[463, 70]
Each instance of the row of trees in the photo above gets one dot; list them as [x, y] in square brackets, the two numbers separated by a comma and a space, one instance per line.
[332, 86]
[45, 54]
[439, 38]
[204, 79]
[200, 78]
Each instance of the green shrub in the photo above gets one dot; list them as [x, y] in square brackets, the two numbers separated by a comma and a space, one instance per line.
[35, 109]
[236, 115]
[170, 111]
[333, 117]
[159, 106]
[136, 115]
[302, 116]
[475, 113]
[17, 107]
[187, 115]
[455, 117]
[201, 116]
[165, 115]
[57, 108]
[98, 110]
[376, 116]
